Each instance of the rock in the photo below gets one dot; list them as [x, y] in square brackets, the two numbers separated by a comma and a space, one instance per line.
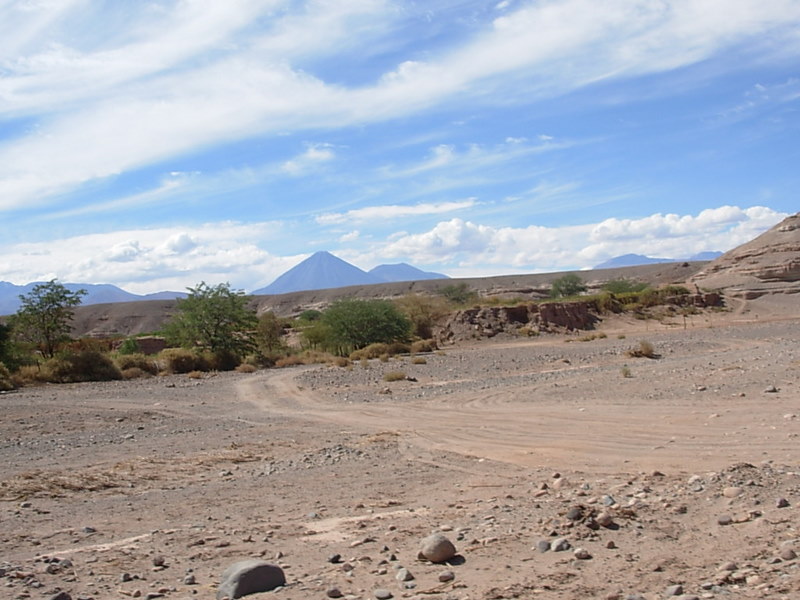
[61, 596]
[724, 519]
[159, 561]
[560, 545]
[249, 577]
[582, 554]
[732, 492]
[605, 519]
[381, 594]
[543, 545]
[437, 548]
[335, 558]
[333, 592]
[788, 554]
[781, 503]
[771, 390]
[575, 513]
[446, 576]
[674, 590]
[190, 579]
[728, 566]
[404, 575]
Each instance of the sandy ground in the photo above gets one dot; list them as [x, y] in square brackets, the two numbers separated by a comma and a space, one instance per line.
[151, 488]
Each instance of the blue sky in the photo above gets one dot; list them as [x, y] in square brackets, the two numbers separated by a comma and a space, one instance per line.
[158, 144]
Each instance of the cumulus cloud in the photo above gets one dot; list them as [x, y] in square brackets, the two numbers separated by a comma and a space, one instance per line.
[470, 245]
[313, 156]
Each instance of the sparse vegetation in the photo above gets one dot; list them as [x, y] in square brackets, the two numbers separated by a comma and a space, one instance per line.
[566, 286]
[351, 324]
[419, 360]
[626, 372]
[624, 286]
[139, 361]
[423, 312]
[394, 376]
[6, 384]
[181, 360]
[458, 294]
[644, 349]
[86, 365]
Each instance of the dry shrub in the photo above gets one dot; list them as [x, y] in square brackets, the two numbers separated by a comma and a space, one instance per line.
[423, 346]
[246, 367]
[289, 361]
[394, 376]
[223, 360]
[195, 374]
[27, 375]
[419, 360]
[644, 350]
[136, 361]
[342, 361]
[86, 365]
[365, 363]
[371, 351]
[383, 358]
[135, 373]
[180, 360]
[626, 372]
[6, 384]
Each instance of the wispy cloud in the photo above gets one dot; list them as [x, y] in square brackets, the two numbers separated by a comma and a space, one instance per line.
[384, 213]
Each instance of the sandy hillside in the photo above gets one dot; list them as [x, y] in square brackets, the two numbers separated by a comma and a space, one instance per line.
[151, 488]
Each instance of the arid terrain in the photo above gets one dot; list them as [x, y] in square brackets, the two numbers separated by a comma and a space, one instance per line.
[677, 475]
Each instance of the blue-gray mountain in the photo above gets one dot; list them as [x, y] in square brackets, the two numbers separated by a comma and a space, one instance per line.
[323, 270]
[95, 294]
[633, 260]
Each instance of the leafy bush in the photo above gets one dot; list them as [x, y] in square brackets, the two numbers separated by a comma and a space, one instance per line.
[568, 285]
[394, 376]
[309, 316]
[129, 346]
[88, 365]
[623, 286]
[6, 384]
[353, 324]
[137, 361]
[180, 360]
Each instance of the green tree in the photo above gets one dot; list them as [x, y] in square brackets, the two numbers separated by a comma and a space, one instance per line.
[269, 333]
[352, 324]
[214, 318]
[458, 293]
[45, 315]
[568, 285]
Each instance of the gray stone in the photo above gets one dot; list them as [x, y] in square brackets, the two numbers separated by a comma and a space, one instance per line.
[437, 548]
[575, 513]
[250, 577]
[582, 554]
[781, 503]
[674, 590]
[61, 596]
[543, 546]
[382, 594]
[333, 592]
[725, 519]
[560, 545]
[404, 575]
[446, 576]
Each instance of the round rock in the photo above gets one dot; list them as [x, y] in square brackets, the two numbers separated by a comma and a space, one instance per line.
[250, 577]
[437, 548]
[381, 594]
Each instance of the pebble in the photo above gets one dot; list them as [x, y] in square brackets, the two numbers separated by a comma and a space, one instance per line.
[560, 545]
[382, 594]
[605, 519]
[404, 574]
[333, 592]
[732, 492]
[771, 390]
[781, 503]
[582, 554]
[674, 590]
[446, 576]
[724, 519]
[543, 545]
[788, 554]
[437, 548]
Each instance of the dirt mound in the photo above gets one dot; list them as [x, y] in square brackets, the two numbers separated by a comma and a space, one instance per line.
[769, 264]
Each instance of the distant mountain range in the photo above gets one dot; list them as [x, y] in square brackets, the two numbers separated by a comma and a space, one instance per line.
[633, 260]
[95, 294]
[323, 270]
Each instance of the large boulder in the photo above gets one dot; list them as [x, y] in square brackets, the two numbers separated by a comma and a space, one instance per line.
[249, 577]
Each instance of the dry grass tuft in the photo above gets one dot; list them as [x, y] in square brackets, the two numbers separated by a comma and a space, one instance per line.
[394, 376]
[644, 350]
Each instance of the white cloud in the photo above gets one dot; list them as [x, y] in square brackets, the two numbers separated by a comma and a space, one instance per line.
[183, 76]
[393, 211]
[474, 246]
[350, 237]
[150, 260]
[308, 160]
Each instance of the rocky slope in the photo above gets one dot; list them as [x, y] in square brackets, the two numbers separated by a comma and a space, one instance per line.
[769, 264]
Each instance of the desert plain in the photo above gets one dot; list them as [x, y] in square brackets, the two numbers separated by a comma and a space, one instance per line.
[559, 468]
